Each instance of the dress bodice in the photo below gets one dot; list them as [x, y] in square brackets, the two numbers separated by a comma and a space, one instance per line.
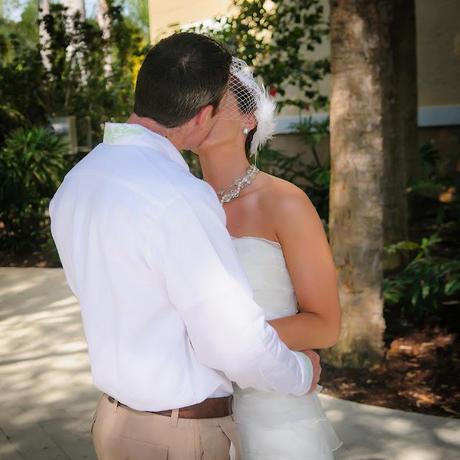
[265, 267]
[275, 426]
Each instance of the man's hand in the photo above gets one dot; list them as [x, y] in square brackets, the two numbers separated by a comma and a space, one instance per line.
[315, 360]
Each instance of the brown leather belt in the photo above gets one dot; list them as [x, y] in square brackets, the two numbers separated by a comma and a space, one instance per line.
[209, 408]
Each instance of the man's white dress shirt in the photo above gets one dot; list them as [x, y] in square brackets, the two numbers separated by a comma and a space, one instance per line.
[167, 310]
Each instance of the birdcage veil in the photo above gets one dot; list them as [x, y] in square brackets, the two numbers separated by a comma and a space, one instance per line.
[245, 97]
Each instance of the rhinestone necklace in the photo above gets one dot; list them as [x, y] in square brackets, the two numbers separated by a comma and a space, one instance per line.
[230, 193]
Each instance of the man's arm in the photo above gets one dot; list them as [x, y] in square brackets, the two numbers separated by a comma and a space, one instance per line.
[227, 329]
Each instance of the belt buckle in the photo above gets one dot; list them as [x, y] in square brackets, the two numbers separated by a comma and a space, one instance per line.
[112, 400]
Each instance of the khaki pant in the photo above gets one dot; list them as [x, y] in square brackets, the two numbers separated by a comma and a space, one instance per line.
[120, 433]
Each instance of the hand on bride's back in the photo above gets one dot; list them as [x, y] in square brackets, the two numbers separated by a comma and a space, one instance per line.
[315, 360]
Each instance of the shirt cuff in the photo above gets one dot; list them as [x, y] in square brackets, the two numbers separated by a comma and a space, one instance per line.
[306, 368]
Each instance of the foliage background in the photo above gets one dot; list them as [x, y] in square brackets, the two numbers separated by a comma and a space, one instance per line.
[277, 41]
[75, 82]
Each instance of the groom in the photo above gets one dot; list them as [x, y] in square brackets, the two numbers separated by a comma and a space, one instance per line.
[167, 311]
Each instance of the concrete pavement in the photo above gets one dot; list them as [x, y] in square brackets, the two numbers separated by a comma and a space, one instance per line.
[47, 400]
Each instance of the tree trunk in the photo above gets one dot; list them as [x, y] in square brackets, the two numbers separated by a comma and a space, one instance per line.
[405, 63]
[361, 140]
[402, 163]
[103, 19]
[43, 10]
[75, 6]
[75, 11]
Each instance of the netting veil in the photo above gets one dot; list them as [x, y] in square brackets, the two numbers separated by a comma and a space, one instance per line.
[246, 99]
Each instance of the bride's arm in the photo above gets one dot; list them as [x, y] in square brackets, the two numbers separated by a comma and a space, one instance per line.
[309, 261]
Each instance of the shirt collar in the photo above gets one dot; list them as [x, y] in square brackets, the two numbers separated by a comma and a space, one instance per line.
[134, 134]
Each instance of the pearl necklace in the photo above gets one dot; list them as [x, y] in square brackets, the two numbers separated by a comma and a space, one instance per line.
[230, 193]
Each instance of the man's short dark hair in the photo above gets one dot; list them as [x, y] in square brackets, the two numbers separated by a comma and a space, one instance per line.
[180, 75]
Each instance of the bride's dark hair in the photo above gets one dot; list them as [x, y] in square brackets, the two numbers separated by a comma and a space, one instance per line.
[245, 100]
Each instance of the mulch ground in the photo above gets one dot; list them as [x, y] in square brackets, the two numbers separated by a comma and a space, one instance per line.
[34, 259]
[420, 372]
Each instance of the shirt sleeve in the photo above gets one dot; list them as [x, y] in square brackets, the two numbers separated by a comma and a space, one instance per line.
[207, 286]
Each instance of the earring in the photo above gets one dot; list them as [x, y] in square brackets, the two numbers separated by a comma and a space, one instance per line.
[245, 131]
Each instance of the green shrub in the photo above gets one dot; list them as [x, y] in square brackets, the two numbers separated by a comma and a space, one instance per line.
[81, 80]
[32, 165]
[78, 78]
[22, 86]
[427, 279]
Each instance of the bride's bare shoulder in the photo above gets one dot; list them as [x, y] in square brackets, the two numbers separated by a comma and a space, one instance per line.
[281, 196]
[290, 212]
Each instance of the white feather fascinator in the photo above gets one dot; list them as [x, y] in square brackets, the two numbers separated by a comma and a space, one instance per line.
[266, 124]
[246, 98]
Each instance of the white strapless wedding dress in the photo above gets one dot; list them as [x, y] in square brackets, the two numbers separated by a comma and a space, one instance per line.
[273, 426]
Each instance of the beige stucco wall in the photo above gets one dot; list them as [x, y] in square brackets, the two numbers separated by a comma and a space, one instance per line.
[438, 41]
[166, 15]
[438, 52]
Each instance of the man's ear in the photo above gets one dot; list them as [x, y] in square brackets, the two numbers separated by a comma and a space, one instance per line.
[204, 115]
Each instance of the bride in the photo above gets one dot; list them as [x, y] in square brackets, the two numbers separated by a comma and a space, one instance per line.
[284, 250]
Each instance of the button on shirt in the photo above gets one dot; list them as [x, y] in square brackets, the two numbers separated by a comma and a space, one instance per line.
[167, 310]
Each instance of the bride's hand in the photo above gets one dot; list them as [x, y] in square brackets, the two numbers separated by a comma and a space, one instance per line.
[315, 360]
